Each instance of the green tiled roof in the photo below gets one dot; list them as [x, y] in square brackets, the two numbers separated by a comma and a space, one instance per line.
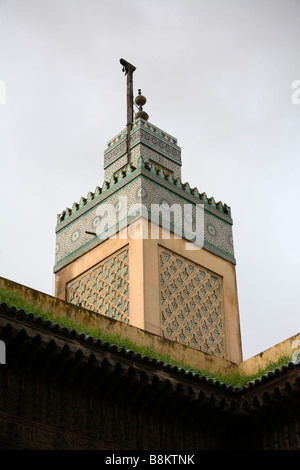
[230, 383]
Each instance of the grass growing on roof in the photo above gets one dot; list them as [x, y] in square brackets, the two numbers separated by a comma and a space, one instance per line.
[235, 379]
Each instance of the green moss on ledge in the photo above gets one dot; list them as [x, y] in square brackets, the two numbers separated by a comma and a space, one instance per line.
[234, 380]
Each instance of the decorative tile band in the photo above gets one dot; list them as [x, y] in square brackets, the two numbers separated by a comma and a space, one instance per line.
[142, 136]
[72, 240]
[130, 172]
[148, 155]
[140, 123]
[216, 231]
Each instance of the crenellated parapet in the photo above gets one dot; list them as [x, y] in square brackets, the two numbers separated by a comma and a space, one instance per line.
[123, 175]
[146, 184]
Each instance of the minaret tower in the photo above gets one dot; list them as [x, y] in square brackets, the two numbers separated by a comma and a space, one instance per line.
[149, 250]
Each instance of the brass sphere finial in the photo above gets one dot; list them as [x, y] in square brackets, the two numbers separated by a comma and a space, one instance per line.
[140, 100]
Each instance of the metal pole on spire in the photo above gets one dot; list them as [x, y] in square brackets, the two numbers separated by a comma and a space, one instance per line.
[129, 69]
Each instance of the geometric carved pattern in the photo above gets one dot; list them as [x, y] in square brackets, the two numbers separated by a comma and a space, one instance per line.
[105, 287]
[191, 304]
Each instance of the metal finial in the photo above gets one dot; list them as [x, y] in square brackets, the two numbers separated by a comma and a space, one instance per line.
[140, 100]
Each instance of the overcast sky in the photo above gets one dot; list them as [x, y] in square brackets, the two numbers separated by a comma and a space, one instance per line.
[217, 75]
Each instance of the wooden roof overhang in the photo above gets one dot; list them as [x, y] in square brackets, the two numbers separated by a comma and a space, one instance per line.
[97, 370]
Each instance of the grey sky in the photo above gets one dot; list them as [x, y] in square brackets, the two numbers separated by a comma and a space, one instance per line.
[217, 75]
